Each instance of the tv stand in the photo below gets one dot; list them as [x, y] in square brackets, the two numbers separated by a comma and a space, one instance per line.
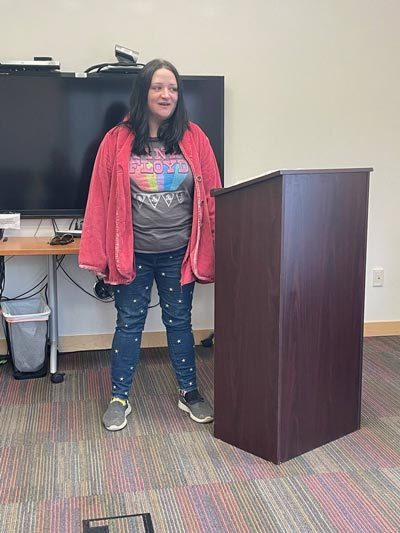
[26, 246]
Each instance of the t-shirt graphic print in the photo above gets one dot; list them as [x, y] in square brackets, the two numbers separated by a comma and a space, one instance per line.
[162, 200]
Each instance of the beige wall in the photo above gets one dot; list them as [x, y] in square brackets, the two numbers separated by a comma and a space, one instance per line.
[308, 84]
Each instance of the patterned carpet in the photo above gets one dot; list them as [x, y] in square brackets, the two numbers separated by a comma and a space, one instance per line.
[58, 466]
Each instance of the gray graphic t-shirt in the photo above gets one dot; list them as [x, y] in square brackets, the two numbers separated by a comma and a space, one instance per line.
[162, 200]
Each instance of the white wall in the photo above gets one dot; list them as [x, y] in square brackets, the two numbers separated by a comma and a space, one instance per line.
[308, 84]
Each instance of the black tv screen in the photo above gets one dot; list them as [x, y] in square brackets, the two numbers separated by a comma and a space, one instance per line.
[51, 126]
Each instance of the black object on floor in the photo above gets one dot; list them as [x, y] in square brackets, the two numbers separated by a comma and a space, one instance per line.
[136, 522]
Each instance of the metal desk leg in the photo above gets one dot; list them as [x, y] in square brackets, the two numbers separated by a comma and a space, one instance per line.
[53, 321]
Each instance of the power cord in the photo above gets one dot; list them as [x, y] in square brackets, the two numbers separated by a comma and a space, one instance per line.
[116, 67]
[78, 225]
[106, 290]
[55, 226]
[2, 276]
[22, 295]
[37, 229]
[25, 295]
[80, 287]
[73, 222]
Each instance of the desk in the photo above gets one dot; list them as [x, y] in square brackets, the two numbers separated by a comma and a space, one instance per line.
[40, 246]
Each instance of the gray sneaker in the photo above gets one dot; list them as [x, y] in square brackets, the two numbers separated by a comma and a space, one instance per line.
[198, 408]
[115, 416]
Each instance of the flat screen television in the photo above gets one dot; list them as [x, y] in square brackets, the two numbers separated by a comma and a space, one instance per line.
[51, 126]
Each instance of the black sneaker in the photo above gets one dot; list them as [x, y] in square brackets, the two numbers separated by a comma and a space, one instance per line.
[198, 408]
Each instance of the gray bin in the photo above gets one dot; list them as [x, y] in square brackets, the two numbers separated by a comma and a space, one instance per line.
[27, 326]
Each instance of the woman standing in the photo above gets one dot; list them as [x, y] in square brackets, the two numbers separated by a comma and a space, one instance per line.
[149, 216]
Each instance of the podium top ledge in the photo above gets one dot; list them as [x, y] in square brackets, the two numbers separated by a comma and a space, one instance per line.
[297, 171]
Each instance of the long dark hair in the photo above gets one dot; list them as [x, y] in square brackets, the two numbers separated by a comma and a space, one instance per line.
[172, 130]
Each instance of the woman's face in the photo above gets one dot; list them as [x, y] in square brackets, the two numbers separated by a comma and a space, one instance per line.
[163, 96]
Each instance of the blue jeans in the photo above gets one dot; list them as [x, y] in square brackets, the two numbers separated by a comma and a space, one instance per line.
[131, 302]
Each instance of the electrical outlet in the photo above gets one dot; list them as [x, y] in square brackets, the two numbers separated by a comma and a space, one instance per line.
[377, 277]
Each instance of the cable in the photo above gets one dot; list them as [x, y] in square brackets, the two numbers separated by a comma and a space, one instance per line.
[37, 229]
[30, 296]
[19, 296]
[57, 229]
[2, 276]
[22, 295]
[122, 67]
[91, 295]
[82, 289]
[45, 287]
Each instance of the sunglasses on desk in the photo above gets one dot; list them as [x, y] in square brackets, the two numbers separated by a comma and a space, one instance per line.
[61, 239]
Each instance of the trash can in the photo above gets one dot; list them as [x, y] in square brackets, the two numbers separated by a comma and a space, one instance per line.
[26, 329]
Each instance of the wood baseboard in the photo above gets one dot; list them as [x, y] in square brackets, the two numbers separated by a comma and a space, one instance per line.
[152, 339]
[80, 343]
[382, 329]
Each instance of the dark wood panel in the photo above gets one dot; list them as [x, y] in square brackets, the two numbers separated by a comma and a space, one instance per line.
[289, 300]
[275, 173]
[248, 247]
[322, 308]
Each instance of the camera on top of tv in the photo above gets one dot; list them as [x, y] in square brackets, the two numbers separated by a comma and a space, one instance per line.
[126, 62]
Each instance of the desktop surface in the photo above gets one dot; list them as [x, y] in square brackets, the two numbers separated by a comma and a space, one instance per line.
[36, 246]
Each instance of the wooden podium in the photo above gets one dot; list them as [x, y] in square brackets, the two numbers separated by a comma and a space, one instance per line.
[289, 306]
